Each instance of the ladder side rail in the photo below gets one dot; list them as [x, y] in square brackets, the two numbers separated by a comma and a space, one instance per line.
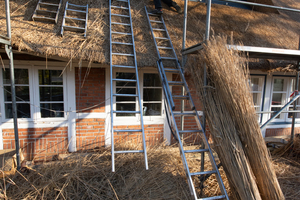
[59, 6]
[86, 19]
[138, 89]
[159, 57]
[36, 8]
[64, 19]
[175, 55]
[166, 82]
[111, 94]
[186, 167]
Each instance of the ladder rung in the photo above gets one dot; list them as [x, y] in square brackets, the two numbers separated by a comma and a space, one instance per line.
[73, 28]
[160, 47]
[120, 7]
[168, 58]
[127, 16]
[49, 4]
[180, 97]
[124, 24]
[158, 29]
[125, 80]
[122, 54]
[126, 95]
[122, 43]
[190, 131]
[171, 70]
[184, 114]
[130, 151]
[162, 38]
[154, 14]
[78, 19]
[175, 83]
[124, 66]
[126, 111]
[154, 21]
[120, 33]
[75, 5]
[203, 173]
[123, 1]
[45, 12]
[212, 198]
[79, 11]
[43, 18]
[129, 130]
[196, 151]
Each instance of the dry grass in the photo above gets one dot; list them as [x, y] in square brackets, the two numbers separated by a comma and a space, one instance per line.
[89, 176]
[233, 122]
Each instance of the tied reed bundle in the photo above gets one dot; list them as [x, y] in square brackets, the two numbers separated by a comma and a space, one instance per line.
[233, 123]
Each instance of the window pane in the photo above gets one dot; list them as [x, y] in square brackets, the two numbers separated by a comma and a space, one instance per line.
[51, 94]
[278, 84]
[50, 77]
[21, 76]
[126, 91]
[277, 98]
[276, 109]
[126, 107]
[21, 92]
[256, 99]
[152, 94]
[255, 84]
[23, 110]
[46, 107]
[122, 75]
[152, 109]
[151, 80]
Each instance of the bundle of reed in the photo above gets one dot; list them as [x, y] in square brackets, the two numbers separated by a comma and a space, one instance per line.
[233, 122]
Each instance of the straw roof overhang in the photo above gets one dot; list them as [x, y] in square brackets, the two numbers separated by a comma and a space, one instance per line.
[245, 26]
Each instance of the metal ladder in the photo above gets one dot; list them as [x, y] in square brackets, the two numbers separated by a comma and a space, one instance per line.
[158, 22]
[46, 11]
[123, 21]
[75, 18]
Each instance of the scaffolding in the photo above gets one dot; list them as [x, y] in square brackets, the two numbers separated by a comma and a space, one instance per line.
[252, 52]
[6, 40]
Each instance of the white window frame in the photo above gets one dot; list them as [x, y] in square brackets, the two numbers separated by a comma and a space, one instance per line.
[34, 95]
[262, 92]
[135, 120]
[288, 90]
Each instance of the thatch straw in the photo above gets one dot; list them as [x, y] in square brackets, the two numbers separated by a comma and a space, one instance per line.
[89, 176]
[229, 94]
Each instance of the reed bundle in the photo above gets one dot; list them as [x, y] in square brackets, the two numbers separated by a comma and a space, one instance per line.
[233, 122]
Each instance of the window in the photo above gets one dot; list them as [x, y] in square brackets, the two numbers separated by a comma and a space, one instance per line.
[257, 84]
[39, 93]
[51, 93]
[122, 87]
[152, 95]
[282, 89]
[22, 92]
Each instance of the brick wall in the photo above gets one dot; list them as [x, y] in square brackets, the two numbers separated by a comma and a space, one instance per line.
[38, 143]
[90, 89]
[153, 133]
[281, 131]
[189, 122]
[90, 133]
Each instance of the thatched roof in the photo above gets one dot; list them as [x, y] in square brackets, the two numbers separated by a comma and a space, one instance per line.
[249, 27]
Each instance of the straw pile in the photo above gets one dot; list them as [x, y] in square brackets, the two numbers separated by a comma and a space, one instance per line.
[89, 176]
[232, 120]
